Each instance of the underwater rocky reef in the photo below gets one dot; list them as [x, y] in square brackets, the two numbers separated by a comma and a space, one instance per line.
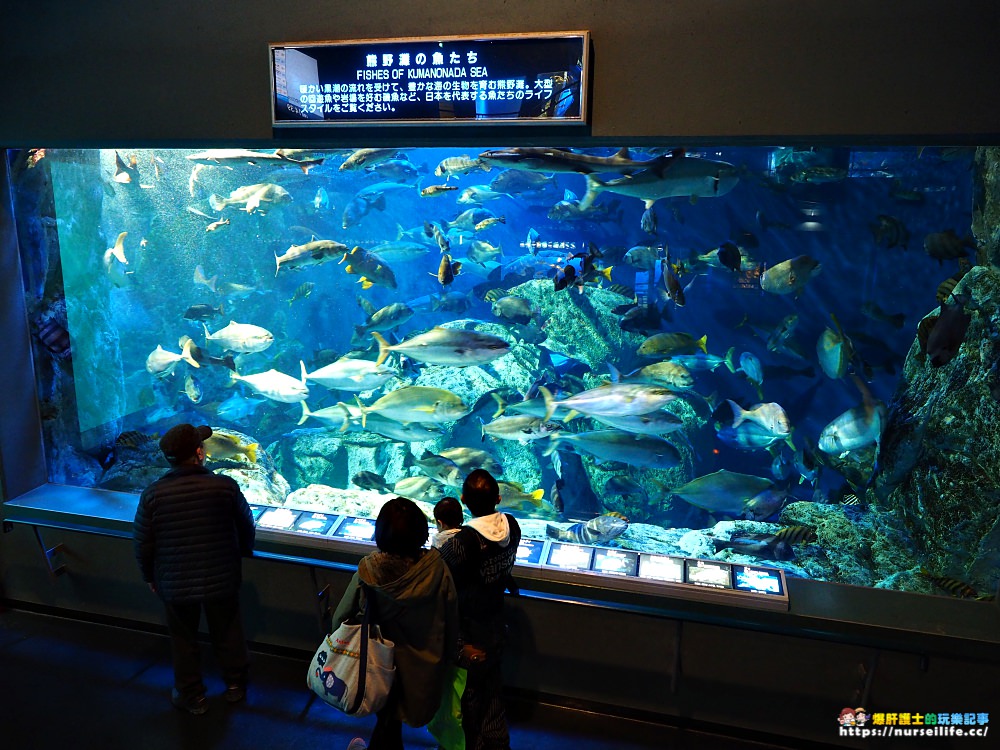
[134, 266]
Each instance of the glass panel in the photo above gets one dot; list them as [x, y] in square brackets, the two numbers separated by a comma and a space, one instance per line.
[732, 354]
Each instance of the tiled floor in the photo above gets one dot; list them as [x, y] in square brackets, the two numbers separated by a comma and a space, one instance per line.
[79, 685]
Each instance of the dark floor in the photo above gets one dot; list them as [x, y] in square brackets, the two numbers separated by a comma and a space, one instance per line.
[80, 685]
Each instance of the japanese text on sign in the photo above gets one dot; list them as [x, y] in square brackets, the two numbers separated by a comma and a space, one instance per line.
[524, 78]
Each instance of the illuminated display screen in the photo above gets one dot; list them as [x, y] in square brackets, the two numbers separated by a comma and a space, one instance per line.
[569, 556]
[529, 552]
[537, 78]
[615, 562]
[257, 512]
[356, 528]
[712, 574]
[314, 523]
[278, 518]
[661, 568]
[757, 580]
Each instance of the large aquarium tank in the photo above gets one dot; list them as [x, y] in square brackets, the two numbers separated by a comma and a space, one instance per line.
[779, 355]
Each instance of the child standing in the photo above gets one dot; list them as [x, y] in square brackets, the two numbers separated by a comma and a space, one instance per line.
[446, 726]
[449, 519]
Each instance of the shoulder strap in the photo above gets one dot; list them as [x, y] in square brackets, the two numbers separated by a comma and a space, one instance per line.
[367, 621]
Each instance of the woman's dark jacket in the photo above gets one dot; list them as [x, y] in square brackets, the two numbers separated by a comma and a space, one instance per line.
[417, 611]
[192, 528]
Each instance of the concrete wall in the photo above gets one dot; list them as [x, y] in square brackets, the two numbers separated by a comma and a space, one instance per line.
[583, 655]
[106, 72]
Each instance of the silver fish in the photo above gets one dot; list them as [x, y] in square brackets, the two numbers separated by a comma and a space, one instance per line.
[659, 422]
[770, 416]
[477, 195]
[699, 361]
[240, 337]
[468, 459]
[383, 319]
[515, 309]
[643, 257]
[312, 253]
[858, 427]
[522, 428]
[515, 181]
[413, 432]
[417, 403]
[446, 346]
[351, 375]
[790, 276]
[723, 491]
[751, 367]
[118, 251]
[229, 157]
[834, 351]
[236, 407]
[550, 160]
[397, 170]
[624, 486]
[333, 416]
[481, 251]
[419, 488]
[457, 165]
[625, 447]
[401, 251]
[668, 374]
[364, 158]
[347, 418]
[620, 399]
[192, 389]
[251, 196]
[467, 221]
[439, 468]
[747, 436]
[161, 363]
[321, 201]
[673, 175]
[276, 385]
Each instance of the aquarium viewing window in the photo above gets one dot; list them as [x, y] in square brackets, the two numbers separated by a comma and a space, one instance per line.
[751, 586]
[754, 358]
[522, 78]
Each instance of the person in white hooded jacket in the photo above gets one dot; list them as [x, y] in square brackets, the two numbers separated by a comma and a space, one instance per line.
[481, 557]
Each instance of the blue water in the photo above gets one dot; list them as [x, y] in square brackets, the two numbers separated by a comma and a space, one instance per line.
[771, 214]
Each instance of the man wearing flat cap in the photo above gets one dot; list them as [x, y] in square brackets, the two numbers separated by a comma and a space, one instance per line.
[192, 529]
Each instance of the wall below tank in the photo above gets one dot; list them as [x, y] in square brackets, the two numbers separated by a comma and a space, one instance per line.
[193, 71]
[574, 653]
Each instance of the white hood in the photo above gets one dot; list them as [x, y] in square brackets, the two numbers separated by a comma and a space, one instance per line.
[494, 527]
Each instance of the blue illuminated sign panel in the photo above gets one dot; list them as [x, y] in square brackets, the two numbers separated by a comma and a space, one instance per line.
[706, 573]
[757, 580]
[524, 78]
[356, 528]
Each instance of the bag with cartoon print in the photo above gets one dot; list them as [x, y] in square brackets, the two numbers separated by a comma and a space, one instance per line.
[353, 667]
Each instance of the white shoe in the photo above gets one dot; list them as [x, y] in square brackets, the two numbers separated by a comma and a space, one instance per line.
[357, 744]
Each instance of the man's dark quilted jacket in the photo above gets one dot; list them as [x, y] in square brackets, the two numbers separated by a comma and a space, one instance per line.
[191, 529]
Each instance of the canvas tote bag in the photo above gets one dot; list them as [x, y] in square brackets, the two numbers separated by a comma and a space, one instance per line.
[353, 667]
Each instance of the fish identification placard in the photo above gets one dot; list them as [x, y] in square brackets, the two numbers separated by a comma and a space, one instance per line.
[503, 79]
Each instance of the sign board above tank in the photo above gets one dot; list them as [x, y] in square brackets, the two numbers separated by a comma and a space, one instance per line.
[510, 79]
